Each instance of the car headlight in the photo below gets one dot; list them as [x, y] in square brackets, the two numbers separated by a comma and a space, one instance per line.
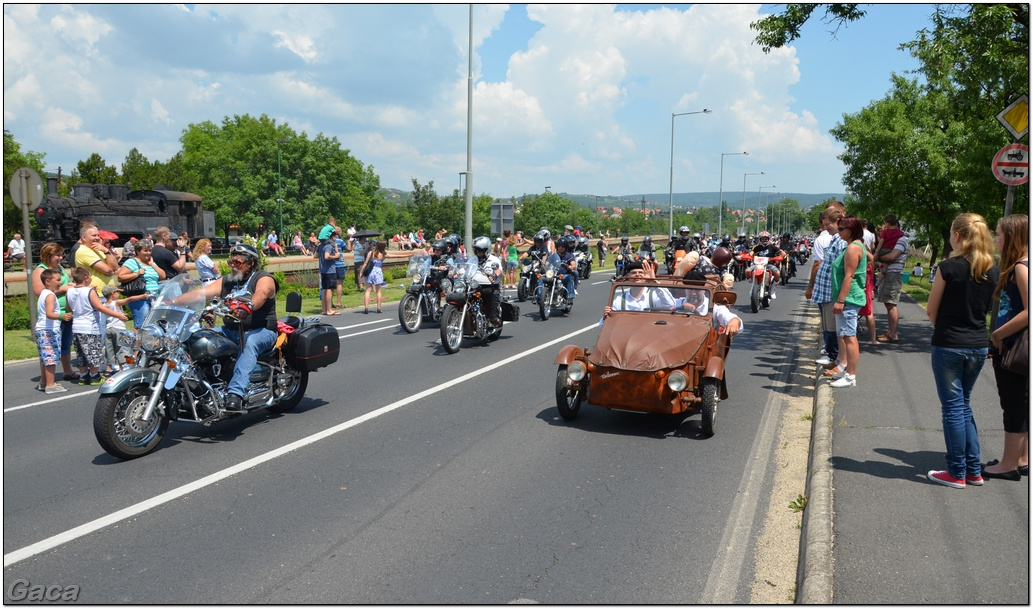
[677, 381]
[151, 338]
[576, 371]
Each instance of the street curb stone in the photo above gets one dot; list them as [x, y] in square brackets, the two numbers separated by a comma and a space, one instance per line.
[814, 569]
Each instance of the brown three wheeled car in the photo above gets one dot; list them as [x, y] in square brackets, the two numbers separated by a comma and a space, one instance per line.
[659, 350]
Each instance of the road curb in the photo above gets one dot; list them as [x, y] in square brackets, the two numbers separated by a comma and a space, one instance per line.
[814, 569]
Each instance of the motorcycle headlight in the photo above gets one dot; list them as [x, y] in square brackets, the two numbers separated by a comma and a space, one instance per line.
[446, 285]
[549, 274]
[151, 338]
[576, 371]
[677, 381]
[417, 278]
[169, 343]
[459, 286]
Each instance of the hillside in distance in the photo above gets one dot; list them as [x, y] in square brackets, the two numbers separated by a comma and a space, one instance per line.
[685, 200]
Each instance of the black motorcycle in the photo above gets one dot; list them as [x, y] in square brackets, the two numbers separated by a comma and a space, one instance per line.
[181, 369]
[530, 267]
[464, 314]
[422, 300]
[553, 295]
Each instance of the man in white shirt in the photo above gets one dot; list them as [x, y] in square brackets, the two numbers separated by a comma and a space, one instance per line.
[16, 248]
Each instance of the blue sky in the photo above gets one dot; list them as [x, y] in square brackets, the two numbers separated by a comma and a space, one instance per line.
[576, 97]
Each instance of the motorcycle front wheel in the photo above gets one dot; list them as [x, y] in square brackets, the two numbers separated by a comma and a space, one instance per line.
[293, 394]
[588, 271]
[118, 426]
[522, 288]
[409, 313]
[451, 329]
[755, 297]
[545, 305]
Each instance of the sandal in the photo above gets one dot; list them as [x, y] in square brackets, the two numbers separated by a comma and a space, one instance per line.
[834, 371]
[886, 339]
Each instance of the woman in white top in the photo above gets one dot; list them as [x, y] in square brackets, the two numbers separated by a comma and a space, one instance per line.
[205, 266]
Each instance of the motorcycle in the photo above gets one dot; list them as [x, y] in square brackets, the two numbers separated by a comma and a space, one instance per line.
[554, 294]
[802, 254]
[649, 259]
[584, 263]
[761, 277]
[620, 261]
[181, 368]
[530, 266]
[464, 314]
[743, 261]
[422, 300]
[787, 268]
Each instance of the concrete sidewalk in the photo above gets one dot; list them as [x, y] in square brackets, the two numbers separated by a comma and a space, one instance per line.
[875, 529]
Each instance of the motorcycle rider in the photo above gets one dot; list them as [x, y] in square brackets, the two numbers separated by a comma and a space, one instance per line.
[788, 245]
[488, 275]
[647, 251]
[564, 256]
[684, 240]
[255, 290]
[766, 247]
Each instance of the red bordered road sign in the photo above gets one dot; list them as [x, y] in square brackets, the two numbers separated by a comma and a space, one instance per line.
[1011, 164]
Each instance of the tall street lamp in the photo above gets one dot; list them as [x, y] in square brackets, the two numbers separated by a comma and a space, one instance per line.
[755, 173]
[670, 197]
[721, 190]
[766, 218]
[279, 186]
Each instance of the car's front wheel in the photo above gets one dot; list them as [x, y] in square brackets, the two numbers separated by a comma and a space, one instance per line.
[568, 400]
[708, 409]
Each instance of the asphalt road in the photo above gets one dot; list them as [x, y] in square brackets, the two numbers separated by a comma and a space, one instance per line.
[409, 475]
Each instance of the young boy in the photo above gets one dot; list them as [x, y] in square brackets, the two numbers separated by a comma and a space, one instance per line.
[87, 328]
[48, 331]
[115, 326]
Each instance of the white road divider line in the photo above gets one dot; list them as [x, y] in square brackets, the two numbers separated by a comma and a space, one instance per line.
[95, 525]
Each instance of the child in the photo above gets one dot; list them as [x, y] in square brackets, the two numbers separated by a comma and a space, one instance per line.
[115, 326]
[48, 331]
[87, 333]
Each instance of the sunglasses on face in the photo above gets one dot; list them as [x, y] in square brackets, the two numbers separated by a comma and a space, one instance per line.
[236, 263]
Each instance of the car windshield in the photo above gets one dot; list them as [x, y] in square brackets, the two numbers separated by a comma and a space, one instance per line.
[656, 299]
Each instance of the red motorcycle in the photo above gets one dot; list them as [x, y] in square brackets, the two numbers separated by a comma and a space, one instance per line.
[761, 279]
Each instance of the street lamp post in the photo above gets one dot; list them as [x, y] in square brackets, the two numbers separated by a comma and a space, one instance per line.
[279, 185]
[670, 196]
[755, 173]
[766, 215]
[721, 190]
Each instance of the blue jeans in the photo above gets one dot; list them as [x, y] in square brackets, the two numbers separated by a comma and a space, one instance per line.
[140, 309]
[256, 341]
[955, 372]
[568, 282]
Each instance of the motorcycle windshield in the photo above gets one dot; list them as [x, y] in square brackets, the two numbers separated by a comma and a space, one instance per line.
[419, 266]
[464, 269]
[177, 305]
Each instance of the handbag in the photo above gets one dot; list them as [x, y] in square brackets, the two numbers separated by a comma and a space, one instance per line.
[135, 287]
[366, 270]
[1016, 357]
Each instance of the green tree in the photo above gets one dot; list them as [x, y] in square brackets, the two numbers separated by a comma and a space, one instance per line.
[95, 170]
[15, 159]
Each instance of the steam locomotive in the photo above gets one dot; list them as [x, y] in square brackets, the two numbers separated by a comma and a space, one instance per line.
[117, 209]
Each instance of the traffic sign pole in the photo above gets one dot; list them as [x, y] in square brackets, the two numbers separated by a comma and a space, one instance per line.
[26, 189]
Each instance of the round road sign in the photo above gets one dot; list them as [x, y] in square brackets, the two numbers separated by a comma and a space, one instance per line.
[26, 188]
[1011, 164]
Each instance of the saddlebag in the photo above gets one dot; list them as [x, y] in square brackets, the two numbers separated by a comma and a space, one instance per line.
[313, 347]
[510, 312]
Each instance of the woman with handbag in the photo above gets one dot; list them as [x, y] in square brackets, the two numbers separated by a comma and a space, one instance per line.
[960, 299]
[140, 266]
[1011, 346]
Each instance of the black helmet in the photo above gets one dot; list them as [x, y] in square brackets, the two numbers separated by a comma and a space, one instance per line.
[787, 236]
[453, 243]
[538, 239]
[439, 245]
[624, 240]
[246, 250]
[566, 241]
[726, 237]
[647, 239]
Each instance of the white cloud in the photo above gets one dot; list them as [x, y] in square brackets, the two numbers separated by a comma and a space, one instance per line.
[301, 45]
[159, 112]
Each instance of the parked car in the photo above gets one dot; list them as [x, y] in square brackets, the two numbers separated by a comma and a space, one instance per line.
[658, 351]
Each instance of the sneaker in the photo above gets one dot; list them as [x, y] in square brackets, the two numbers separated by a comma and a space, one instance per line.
[823, 351]
[847, 380]
[40, 387]
[84, 380]
[973, 480]
[55, 388]
[96, 380]
[944, 478]
[824, 360]
[772, 296]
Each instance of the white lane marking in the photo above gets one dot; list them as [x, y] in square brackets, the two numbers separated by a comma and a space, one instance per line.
[82, 393]
[138, 508]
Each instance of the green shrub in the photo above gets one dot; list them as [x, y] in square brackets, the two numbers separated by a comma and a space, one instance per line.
[16, 313]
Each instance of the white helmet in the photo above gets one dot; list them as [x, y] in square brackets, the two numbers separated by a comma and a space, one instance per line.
[481, 245]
